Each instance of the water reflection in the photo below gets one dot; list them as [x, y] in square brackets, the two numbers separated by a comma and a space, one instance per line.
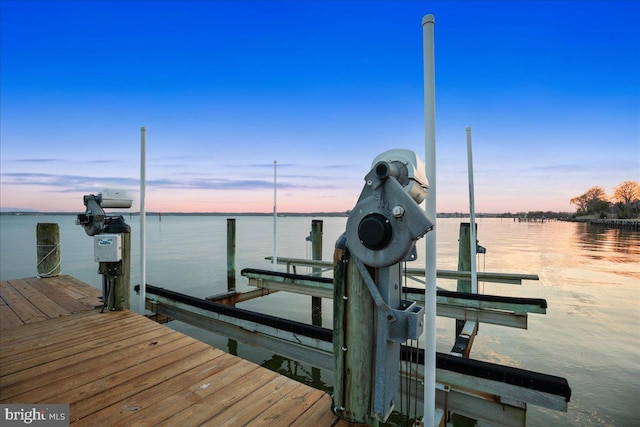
[300, 372]
[600, 240]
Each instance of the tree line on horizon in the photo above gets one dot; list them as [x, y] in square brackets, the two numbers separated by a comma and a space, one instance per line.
[624, 203]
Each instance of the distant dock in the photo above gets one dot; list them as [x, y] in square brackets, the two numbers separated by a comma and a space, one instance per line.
[120, 368]
[622, 224]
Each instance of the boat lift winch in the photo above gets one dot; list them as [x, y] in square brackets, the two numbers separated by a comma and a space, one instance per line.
[108, 231]
[381, 233]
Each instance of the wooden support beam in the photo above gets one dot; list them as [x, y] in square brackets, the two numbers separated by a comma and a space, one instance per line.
[232, 298]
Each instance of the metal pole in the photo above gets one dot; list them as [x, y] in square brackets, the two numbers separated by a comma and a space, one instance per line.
[428, 23]
[143, 218]
[472, 216]
[275, 216]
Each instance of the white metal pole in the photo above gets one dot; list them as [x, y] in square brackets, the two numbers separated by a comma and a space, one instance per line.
[472, 216]
[275, 216]
[428, 23]
[143, 219]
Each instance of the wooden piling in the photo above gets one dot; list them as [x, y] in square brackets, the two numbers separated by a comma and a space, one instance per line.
[353, 339]
[48, 248]
[123, 282]
[316, 254]
[464, 264]
[231, 254]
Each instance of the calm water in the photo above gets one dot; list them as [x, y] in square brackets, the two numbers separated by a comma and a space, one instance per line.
[589, 276]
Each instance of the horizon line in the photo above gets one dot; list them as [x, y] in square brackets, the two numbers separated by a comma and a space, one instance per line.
[219, 213]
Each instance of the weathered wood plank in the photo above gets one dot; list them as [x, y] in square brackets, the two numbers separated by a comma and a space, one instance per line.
[77, 289]
[8, 319]
[165, 399]
[56, 370]
[159, 369]
[45, 304]
[83, 385]
[64, 349]
[317, 414]
[204, 405]
[279, 413]
[26, 337]
[67, 284]
[23, 308]
[160, 400]
[34, 299]
[244, 409]
[61, 347]
[63, 299]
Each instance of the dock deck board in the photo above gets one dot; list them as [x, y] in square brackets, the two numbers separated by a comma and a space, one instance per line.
[120, 368]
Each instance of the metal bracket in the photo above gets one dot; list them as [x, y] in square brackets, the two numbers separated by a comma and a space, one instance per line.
[373, 290]
[409, 323]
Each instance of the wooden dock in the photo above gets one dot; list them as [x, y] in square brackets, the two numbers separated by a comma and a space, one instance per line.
[119, 368]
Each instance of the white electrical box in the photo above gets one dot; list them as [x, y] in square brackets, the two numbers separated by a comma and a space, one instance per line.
[107, 248]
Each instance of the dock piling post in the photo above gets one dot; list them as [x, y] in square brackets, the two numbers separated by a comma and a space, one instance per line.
[353, 310]
[316, 254]
[464, 264]
[123, 282]
[231, 254]
[48, 247]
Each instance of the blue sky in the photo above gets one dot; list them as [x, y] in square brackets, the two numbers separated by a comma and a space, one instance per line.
[551, 90]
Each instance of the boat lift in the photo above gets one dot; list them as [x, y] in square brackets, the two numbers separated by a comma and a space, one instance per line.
[375, 319]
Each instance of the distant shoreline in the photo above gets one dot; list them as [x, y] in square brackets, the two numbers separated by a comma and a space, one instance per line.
[546, 215]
